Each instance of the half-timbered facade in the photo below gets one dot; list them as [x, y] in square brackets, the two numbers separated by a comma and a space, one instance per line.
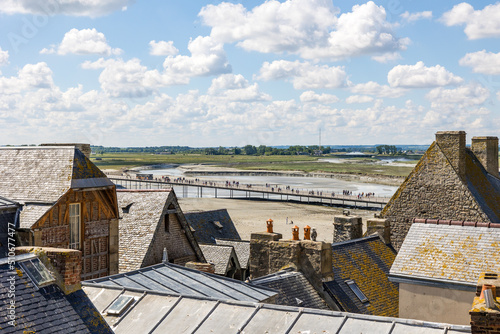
[67, 203]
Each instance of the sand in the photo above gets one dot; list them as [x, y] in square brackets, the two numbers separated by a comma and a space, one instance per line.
[251, 215]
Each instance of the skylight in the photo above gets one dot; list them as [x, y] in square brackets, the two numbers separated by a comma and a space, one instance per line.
[38, 273]
[357, 291]
[119, 305]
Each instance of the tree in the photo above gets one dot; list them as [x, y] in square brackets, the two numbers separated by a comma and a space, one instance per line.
[250, 150]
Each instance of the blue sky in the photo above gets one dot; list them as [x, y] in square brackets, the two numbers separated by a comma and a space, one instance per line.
[199, 73]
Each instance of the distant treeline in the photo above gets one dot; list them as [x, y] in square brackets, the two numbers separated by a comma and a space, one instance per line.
[254, 150]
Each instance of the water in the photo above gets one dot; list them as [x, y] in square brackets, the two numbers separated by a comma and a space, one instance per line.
[327, 185]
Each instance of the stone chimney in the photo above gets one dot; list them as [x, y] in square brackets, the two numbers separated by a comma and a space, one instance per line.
[486, 150]
[84, 148]
[64, 264]
[347, 227]
[205, 267]
[452, 143]
[485, 312]
[380, 226]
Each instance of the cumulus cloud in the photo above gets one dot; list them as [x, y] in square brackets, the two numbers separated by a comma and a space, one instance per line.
[4, 57]
[376, 89]
[358, 99]
[498, 95]
[478, 23]
[465, 95]
[236, 88]
[309, 28]
[162, 48]
[420, 76]
[83, 42]
[67, 7]
[207, 58]
[30, 77]
[412, 17]
[311, 97]
[304, 75]
[482, 62]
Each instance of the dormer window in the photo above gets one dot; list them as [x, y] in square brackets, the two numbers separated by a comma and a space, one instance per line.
[37, 272]
[357, 291]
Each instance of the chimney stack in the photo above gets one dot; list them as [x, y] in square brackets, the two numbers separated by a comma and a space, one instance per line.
[205, 267]
[452, 143]
[486, 150]
[347, 227]
[380, 226]
[485, 312]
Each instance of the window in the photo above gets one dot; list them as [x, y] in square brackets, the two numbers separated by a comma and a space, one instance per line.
[37, 272]
[119, 305]
[167, 223]
[74, 226]
[355, 288]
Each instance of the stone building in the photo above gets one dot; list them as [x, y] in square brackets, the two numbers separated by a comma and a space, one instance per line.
[451, 181]
[152, 220]
[210, 225]
[67, 203]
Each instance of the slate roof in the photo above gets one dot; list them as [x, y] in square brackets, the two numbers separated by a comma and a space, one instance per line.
[163, 313]
[137, 227]
[46, 309]
[220, 256]
[8, 214]
[294, 289]
[366, 261]
[242, 249]
[211, 225]
[452, 253]
[44, 174]
[31, 213]
[6, 203]
[178, 280]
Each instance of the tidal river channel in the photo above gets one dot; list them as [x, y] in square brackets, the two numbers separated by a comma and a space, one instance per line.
[326, 185]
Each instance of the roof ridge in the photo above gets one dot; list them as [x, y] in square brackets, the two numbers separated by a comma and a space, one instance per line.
[354, 241]
[454, 222]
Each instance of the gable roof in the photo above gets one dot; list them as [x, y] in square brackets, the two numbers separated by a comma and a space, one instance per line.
[163, 313]
[47, 309]
[137, 227]
[211, 225]
[178, 280]
[446, 251]
[294, 289]
[44, 174]
[242, 249]
[220, 256]
[366, 261]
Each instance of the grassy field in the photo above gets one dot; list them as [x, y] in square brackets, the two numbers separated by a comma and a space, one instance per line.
[364, 166]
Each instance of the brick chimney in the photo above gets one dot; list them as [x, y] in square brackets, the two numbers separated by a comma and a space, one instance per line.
[64, 264]
[452, 143]
[205, 267]
[486, 150]
[347, 227]
[485, 314]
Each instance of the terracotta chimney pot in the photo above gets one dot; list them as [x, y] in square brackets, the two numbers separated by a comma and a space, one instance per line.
[295, 233]
[269, 225]
[307, 232]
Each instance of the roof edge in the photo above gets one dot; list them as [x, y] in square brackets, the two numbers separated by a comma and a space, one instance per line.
[433, 282]
[454, 222]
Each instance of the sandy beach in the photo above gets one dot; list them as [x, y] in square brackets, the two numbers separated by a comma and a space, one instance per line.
[251, 215]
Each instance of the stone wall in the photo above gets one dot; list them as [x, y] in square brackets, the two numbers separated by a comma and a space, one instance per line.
[433, 190]
[346, 228]
[486, 150]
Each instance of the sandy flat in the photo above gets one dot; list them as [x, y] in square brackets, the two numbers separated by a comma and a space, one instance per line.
[251, 215]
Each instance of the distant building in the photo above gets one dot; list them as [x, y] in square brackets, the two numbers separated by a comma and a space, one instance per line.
[439, 264]
[67, 203]
[242, 250]
[450, 181]
[152, 220]
[224, 258]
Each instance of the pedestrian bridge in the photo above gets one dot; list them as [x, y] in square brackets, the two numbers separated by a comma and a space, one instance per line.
[191, 187]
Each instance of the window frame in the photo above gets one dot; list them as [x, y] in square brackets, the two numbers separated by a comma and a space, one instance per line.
[356, 290]
[72, 243]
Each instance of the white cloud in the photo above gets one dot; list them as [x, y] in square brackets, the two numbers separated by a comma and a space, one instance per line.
[310, 28]
[482, 62]
[420, 76]
[304, 75]
[83, 42]
[498, 95]
[207, 58]
[162, 48]
[376, 89]
[236, 88]
[4, 57]
[387, 57]
[478, 23]
[358, 99]
[91, 8]
[465, 96]
[416, 16]
[311, 97]
[30, 77]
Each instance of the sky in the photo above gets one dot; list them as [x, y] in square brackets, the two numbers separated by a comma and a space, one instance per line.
[212, 73]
